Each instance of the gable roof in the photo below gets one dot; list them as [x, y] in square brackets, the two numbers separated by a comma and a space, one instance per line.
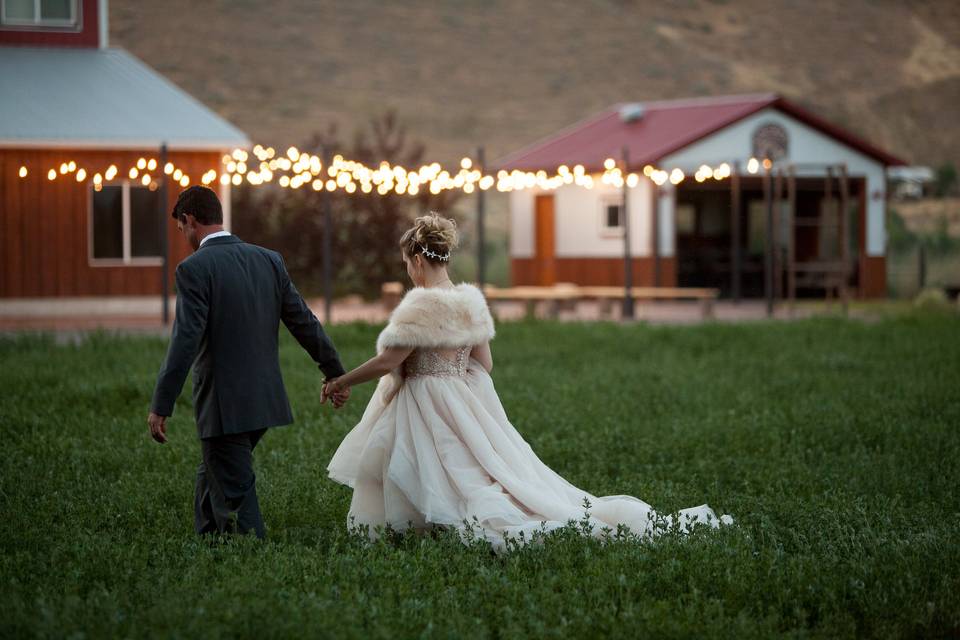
[665, 127]
[100, 98]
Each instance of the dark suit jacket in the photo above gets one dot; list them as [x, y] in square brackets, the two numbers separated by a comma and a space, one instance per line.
[231, 297]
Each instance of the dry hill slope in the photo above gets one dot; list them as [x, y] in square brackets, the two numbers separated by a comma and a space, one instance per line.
[506, 73]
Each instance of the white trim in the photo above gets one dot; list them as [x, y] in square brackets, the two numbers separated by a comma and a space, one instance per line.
[128, 260]
[125, 218]
[225, 193]
[605, 200]
[103, 23]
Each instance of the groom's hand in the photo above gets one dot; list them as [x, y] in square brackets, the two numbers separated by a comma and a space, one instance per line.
[158, 427]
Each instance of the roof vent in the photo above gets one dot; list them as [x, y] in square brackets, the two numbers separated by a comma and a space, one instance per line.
[631, 112]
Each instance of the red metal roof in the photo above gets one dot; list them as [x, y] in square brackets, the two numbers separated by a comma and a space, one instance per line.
[666, 127]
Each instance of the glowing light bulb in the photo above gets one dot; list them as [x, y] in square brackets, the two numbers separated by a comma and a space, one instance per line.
[184, 181]
[72, 166]
[145, 180]
[151, 164]
[168, 168]
[52, 174]
[676, 176]
[317, 185]
[225, 179]
[64, 167]
[767, 163]
[331, 185]
[97, 179]
[23, 172]
[111, 172]
[81, 175]
[133, 173]
[609, 164]
[351, 187]
[293, 153]
[177, 175]
[633, 180]
[236, 179]
[142, 163]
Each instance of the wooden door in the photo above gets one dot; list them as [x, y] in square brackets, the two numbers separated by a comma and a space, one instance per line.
[544, 241]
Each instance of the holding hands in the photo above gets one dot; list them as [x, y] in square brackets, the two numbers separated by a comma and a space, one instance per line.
[337, 393]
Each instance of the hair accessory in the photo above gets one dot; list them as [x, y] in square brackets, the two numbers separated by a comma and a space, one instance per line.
[437, 256]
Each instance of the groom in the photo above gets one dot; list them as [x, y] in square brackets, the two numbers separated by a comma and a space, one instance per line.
[231, 298]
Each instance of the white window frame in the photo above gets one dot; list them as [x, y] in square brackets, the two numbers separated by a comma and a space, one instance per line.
[611, 200]
[38, 21]
[127, 260]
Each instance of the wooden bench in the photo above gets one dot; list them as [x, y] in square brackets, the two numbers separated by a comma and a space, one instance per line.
[559, 296]
[566, 295]
[607, 295]
[390, 294]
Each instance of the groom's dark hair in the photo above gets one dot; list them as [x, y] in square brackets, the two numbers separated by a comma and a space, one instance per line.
[200, 202]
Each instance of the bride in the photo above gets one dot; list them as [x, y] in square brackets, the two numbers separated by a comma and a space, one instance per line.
[434, 446]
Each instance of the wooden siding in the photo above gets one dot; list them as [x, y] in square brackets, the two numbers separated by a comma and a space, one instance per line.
[595, 271]
[44, 225]
[85, 34]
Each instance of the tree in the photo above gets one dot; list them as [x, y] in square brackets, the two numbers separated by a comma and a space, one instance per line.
[367, 227]
[945, 182]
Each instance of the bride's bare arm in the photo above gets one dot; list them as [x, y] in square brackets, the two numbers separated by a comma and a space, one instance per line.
[482, 354]
[375, 367]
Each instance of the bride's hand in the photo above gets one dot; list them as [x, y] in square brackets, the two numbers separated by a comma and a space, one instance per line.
[337, 392]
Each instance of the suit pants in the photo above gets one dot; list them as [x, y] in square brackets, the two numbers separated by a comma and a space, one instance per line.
[226, 493]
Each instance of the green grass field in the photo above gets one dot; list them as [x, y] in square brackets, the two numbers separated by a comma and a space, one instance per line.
[833, 443]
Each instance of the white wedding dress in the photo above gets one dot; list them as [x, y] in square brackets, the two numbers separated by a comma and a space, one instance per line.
[435, 447]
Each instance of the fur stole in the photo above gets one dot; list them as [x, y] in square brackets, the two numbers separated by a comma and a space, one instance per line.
[441, 318]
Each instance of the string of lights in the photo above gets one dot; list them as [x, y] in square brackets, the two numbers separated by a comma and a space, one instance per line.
[295, 169]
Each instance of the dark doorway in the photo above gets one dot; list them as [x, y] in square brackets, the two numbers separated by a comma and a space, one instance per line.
[704, 228]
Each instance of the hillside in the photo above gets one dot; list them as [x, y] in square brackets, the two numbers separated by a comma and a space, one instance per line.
[506, 73]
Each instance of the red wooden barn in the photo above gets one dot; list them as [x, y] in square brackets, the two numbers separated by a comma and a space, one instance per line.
[81, 128]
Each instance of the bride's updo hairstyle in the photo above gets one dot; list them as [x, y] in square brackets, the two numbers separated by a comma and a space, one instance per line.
[432, 236]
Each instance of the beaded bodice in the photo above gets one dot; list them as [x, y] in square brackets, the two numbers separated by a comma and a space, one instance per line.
[436, 362]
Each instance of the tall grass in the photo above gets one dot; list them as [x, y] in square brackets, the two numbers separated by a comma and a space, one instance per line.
[833, 443]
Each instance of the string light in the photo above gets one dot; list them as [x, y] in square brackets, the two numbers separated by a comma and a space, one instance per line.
[296, 169]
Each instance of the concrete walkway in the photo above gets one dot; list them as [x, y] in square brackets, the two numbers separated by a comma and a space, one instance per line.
[143, 314]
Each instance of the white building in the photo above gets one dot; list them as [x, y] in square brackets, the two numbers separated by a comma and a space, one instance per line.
[710, 233]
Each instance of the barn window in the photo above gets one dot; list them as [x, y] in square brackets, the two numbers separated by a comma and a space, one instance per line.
[125, 225]
[39, 13]
[611, 216]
